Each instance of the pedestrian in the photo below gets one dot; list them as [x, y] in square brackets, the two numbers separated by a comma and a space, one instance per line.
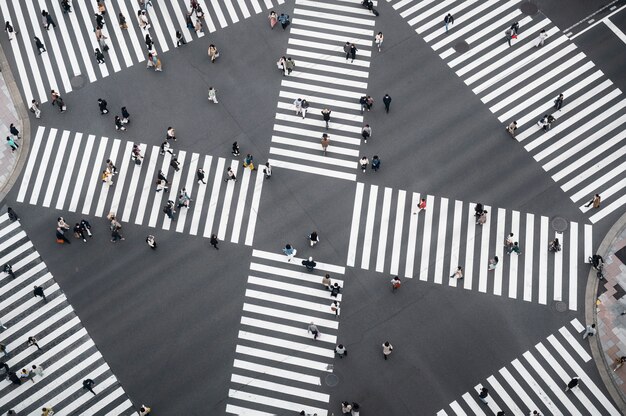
[47, 20]
[281, 65]
[235, 150]
[174, 163]
[144, 410]
[514, 249]
[171, 133]
[353, 51]
[448, 21]
[56, 99]
[595, 201]
[363, 163]
[12, 214]
[511, 128]
[325, 142]
[304, 106]
[62, 224]
[482, 218]
[326, 116]
[14, 378]
[375, 163]
[60, 234]
[289, 251]
[101, 38]
[32, 341]
[273, 17]
[115, 234]
[180, 39]
[38, 370]
[458, 273]
[161, 185]
[3, 351]
[484, 395]
[541, 38]
[334, 307]
[213, 95]
[572, 383]
[515, 28]
[290, 65]
[558, 103]
[151, 241]
[284, 20]
[198, 27]
[297, 103]
[589, 331]
[346, 49]
[4, 367]
[183, 198]
[309, 264]
[387, 349]
[493, 263]
[125, 116]
[267, 170]
[230, 175]
[213, 53]
[341, 351]
[14, 131]
[369, 102]
[420, 206]
[9, 29]
[142, 18]
[88, 385]
[106, 177]
[214, 241]
[366, 132]
[154, 62]
[86, 227]
[395, 283]
[379, 40]
[102, 105]
[312, 328]
[165, 147]
[248, 162]
[326, 281]
[509, 35]
[79, 233]
[313, 238]
[39, 45]
[27, 375]
[122, 21]
[168, 209]
[346, 408]
[101, 9]
[554, 245]
[387, 102]
[34, 108]
[508, 241]
[200, 176]
[8, 269]
[119, 125]
[12, 144]
[149, 42]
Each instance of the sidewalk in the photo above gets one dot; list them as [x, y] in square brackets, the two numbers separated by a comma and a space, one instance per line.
[610, 302]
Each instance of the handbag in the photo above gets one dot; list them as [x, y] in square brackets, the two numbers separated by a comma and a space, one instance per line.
[60, 241]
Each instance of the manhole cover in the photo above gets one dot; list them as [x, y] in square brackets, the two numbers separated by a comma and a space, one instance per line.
[77, 82]
[560, 306]
[461, 47]
[529, 8]
[331, 380]
[559, 224]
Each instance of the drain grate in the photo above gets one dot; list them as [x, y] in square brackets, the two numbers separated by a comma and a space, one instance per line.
[559, 224]
[77, 82]
[560, 306]
[331, 380]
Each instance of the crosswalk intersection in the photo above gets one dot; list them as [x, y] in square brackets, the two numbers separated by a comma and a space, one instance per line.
[68, 355]
[70, 46]
[537, 382]
[584, 149]
[390, 235]
[62, 172]
[326, 79]
[278, 366]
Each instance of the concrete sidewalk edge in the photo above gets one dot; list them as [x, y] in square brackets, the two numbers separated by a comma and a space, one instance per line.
[591, 293]
[24, 119]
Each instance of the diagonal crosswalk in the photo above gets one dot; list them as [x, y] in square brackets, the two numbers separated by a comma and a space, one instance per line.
[278, 366]
[537, 382]
[584, 150]
[64, 171]
[70, 46]
[390, 235]
[67, 356]
[326, 79]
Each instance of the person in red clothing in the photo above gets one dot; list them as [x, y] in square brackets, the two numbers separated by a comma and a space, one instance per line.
[420, 206]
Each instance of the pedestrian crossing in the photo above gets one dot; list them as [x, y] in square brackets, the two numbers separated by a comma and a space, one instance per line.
[584, 150]
[71, 45]
[278, 366]
[537, 382]
[390, 235]
[62, 172]
[326, 79]
[68, 355]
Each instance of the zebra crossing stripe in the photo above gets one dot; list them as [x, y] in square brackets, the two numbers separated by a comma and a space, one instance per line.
[543, 396]
[493, 382]
[383, 231]
[293, 274]
[369, 227]
[197, 210]
[456, 239]
[30, 165]
[290, 316]
[277, 372]
[397, 233]
[17, 54]
[34, 196]
[268, 401]
[289, 287]
[284, 359]
[242, 411]
[191, 175]
[95, 173]
[469, 252]
[413, 225]
[356, 222]
[56, 168]
[484, 253]
[230, 189]
[268, 385]
[473, 405]
[528, 259]
[441, 239]
[286, 329]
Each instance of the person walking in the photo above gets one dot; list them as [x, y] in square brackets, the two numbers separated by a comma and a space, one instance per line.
[40, 47]
[38, 370]
[572, 383]
[180, 40]
[290, 65]
[448, 21]
[363, 102]
[61, 238]
[313, 238]
[248, 162]
[326, 116]
[514, 249]
[165, 147]
[363, 163]
[420, 206]
[484, 395]
[482, 218]
[366, 132]
[387, 102]
[102, 105]
[27, 375]
[334, 307]
[511, 128]
[395, 283]
[353, 51]
[541, 38]
[12, 214]
[214, 241]
[589, 331]
[290, 252]
[325, 142]
[149, 42]
[79, 232]
[34, 108]
[297, 103]
[558, 102]
[309, 264]
[284, 20]
[122, 21]
[554, 245]
[213, 95]
[9, 29]
[235, 150]
[168, 209]
[304, 106]
[12, 144]
[273, 18]
[230, 175]
[200, 176]
[312, 329]
[184, 199]
[119, 124]
[341, 351]
[375, 163]
[47, 20]
[379, 40]
[171, 133]
[32, 341]
[151, 241]
[595, 201]
[508, 241]
[174, 163]
[125, 115]
[493, 263]
[144, 410]
[326, 282]
[213, 53]
[106, 177]
[458, 273]
[387, 349]
[267, 170]
[115, 233]
[14, 131]
[88, 385]
[154, 62]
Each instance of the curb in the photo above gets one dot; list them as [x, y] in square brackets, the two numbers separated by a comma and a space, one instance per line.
[591, 316]
[24, 119]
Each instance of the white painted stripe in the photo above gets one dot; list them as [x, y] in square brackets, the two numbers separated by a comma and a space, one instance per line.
[132, 31]
[468, 267]
[617, 204]
[352, 31]
[128, 206]
[369, 227]
[484, 252]
[312, 169]
[191, 178]
[69, 408]
[286, 329]
[473, 405]
[274, 387]
[314, 158]
[30, 166]
[506, 398]
[315, 146]
[442, 413]
[282, 358]
[269, 401]
[517, 388]
[455, 247]
[56, 167]
[315, 133]
[335, 7]
[491, 403]
[281, 258]
[427, 233]
[410, 249]
[242, 411]
[415, 8]
[328, 102]
[329, 17]
[42, 166]
[19, 61]
[106, 400]
[290, 345]
[121, 41]
[588, 250]
[197, 209]
[65, 183]
[334, 69]
[228, 198]
[182, 25]
[356, 223]
[457, 409]
[528, 257]
[615, 29]
[441, 240]
[536, 388]
[244, 8]
[289, 287]
[254, 206]
[91, 40]
[543, 262]
[150, 189]
[573, 267]
[328, 36]
[215, 193]
[400, 4]
[328, 79]
[592, 187]
[104, 190]
[301, 86]
[94, 178]
[45, 57]
[82, 173]
[497, 277]
[218, 12]
[397, 233]
[577, 325]
[314, 306]
[156, 26]
[64, 394]
[515, 217]
[575, 344]
[291, 316]
[314, 109]
[175, 187]
[613, 189]
[256, 6]
[123, 408]
[67, 47]
[384, 230]
[231, 11]
[441, 9]
[292, 274]
[207, 18]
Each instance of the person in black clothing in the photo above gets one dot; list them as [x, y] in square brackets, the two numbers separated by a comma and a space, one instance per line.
[448, 20]
[38, 291]
[235, 150]
[67, 7]
[309, 264]
[14, 378]
[335, 290]
[39, 45]
[214, 241]
[12, 214]
[387, 102]
[102, 105]
[8, 269]
[88, 385]
[169, 210]
[61, 236]
[79, 232]
[86, 227]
